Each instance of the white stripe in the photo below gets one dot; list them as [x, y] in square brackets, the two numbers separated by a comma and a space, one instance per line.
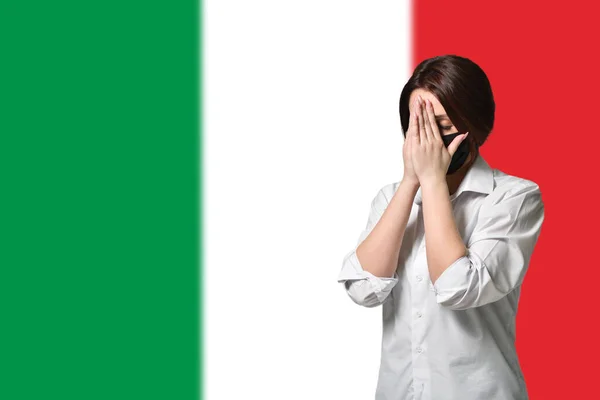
[301, 129]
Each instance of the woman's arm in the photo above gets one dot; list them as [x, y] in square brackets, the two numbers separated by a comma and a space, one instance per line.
[379, 252]
[443, 242]
[499, 249]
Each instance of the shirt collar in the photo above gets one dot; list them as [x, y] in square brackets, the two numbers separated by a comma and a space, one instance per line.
[479, 178]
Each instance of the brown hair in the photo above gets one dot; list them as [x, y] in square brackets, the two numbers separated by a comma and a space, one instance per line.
[461, 87]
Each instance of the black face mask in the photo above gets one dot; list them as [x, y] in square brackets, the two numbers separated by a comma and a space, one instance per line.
[461, 154]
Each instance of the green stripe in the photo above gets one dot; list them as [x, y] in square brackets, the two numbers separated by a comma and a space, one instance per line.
[99, 252]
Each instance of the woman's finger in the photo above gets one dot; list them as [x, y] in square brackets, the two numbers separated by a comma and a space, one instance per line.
[426, 122]
[422, 132]
[435, 133]
[413, 128]
[453, 146]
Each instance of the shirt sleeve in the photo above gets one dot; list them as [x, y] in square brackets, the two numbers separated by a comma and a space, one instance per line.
[363, 287]
[498, 251]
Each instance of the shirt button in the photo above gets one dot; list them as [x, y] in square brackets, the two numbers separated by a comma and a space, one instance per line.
[419, 350]
[419, 278]
[419, 314]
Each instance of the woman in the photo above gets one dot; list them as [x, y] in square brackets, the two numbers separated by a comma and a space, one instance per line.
[446, 248]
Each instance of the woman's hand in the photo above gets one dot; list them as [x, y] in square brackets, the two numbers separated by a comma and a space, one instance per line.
[430, 158]
[413, 131]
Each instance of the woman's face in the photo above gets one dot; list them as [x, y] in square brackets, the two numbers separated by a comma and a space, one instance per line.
[445, 127]
[443, 122]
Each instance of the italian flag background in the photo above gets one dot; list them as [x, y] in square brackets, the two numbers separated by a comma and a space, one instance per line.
[181, 179]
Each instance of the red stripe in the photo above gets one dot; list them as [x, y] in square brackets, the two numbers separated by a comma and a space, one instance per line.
[540, 59]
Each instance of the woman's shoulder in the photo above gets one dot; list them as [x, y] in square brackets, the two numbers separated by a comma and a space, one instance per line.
[508, 186]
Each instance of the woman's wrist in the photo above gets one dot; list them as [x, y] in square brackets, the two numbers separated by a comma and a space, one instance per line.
[410, 182]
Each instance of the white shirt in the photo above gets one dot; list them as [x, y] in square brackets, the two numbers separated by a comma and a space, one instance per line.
[455, 339]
